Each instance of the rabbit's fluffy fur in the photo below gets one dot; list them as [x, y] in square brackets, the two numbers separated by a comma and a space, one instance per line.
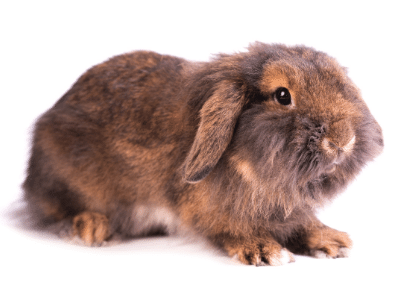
[242, 150]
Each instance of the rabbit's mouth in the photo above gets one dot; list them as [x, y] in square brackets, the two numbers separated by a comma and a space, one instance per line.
[331, 169]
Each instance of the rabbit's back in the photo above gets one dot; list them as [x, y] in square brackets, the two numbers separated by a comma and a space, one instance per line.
[111, 141]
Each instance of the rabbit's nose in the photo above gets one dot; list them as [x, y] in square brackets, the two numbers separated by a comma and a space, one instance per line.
[339, 139]
[333, 149]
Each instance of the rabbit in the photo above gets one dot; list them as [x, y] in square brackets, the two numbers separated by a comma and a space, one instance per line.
[242, 150]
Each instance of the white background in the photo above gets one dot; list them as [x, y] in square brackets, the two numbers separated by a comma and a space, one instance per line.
[45, 46]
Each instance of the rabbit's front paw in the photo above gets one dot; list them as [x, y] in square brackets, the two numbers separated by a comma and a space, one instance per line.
[260, 253]
[328, 243]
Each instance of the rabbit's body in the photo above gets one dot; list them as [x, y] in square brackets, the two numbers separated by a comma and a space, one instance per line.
[96, 149]
[242, 150]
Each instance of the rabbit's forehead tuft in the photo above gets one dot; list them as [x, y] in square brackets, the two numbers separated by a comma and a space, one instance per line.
[283, 73]
[273, 77]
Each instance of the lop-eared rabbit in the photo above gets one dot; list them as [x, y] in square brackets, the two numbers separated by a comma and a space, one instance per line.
[242, 150]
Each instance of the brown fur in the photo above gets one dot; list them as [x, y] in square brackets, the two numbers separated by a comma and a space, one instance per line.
[146, 143]
[92, 228]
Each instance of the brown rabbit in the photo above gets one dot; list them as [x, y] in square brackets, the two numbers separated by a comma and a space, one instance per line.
[242, 149]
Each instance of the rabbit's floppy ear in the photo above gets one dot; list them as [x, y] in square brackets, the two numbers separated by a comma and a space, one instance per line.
[217, 122]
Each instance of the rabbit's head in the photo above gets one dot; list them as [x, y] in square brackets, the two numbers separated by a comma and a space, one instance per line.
[288, 120]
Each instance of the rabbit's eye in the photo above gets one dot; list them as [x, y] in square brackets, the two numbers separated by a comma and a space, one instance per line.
[283, 97]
